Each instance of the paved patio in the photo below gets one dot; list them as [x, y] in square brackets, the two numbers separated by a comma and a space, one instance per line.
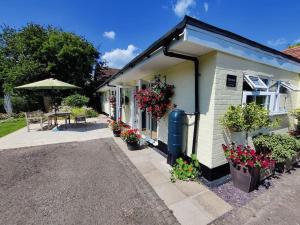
[191, 202]
[94, 129]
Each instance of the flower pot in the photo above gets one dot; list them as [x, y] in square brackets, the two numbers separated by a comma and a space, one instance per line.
[265, 173]
[132, 145]
[117, 133]
[246, 180]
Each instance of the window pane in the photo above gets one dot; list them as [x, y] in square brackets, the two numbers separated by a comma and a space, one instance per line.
[250, 98]
[260, 100]
[255, 80]
[283, 102]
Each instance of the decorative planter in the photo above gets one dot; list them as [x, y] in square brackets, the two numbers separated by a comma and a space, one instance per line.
[265, 173]
[117, 133]
[245, 180]
[133, 145]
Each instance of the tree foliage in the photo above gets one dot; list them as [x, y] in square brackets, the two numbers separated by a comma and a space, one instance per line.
[36, 52]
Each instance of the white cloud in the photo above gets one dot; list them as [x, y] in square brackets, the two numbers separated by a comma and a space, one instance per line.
[205, 5]
[277, 42]
[117, 58]
[182, 7]
[109, 34]
[296, 41]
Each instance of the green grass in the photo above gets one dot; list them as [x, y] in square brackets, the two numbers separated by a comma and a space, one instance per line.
[11, 125]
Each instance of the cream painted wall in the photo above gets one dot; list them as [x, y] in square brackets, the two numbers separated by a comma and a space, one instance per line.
[105, 106]
[126, 109]
[182, 77]
[225, 96]
[215, 98]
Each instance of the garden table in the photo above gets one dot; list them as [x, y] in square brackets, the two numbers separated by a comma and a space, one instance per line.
[54, 115]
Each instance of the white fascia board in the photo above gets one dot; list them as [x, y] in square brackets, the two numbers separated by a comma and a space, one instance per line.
[230, 46]
[105, 88]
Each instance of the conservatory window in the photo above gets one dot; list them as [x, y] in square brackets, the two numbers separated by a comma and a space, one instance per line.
[255, 82]
[288, 86]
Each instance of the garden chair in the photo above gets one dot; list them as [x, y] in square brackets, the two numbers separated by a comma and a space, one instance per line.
[33, 118]
[80, 116]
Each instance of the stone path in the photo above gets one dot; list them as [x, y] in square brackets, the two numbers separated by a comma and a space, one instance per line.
[192, 203]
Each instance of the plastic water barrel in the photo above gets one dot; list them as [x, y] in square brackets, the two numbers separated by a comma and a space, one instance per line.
[175, 135]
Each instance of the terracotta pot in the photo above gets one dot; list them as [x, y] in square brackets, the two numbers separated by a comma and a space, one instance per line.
[117, 133]
[246, 180]
[132, 145]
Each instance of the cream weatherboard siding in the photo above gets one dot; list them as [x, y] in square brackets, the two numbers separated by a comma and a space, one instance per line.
[225, 96]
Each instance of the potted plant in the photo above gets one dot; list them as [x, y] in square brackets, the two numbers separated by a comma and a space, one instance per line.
[116, 127]
[132, 138]
[247, 118]
[245, 166]
[282, 147]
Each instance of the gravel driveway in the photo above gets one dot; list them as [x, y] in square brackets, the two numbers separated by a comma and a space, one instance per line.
[89, 182]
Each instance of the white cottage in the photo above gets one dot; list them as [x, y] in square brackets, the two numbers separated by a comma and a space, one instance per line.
[211, 68]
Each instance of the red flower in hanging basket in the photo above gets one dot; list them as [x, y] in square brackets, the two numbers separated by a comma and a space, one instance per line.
[156, 99]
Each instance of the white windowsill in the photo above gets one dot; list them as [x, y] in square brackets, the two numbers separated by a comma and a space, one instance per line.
[278, 113]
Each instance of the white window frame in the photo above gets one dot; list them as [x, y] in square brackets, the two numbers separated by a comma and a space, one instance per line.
[271, 96]
[288, 86]
[262, 85]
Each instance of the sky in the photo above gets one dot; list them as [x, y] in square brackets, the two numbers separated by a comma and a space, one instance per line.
[120, 30]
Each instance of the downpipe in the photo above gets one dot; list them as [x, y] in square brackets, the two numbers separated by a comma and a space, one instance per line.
[196, 113]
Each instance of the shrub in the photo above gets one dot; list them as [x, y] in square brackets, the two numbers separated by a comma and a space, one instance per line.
[76, 100]
[247, 118]
[280, 146]
[296, 113]
[90, 112]
[78, 111]
[183, 170]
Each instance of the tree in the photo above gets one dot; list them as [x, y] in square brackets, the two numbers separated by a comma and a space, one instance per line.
[247, 118]
[36, 52]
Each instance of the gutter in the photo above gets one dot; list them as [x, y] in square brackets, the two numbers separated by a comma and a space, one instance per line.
[197, 75]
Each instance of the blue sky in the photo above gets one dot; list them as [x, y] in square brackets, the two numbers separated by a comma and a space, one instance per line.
[122, 29]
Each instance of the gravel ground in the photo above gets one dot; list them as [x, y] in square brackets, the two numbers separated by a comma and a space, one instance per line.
[237, 198]
[89, 182]
[277, 205]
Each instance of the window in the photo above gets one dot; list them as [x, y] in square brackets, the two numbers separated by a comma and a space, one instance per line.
[275, 98]
[288, 86]
[255, 82]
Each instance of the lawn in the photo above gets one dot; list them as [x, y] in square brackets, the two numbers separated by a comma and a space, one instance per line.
[11, 125]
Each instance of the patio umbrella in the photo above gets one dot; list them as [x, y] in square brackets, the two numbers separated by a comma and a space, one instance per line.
[48, 84]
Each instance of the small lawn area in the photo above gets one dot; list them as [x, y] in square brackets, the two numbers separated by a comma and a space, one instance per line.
[11, 125]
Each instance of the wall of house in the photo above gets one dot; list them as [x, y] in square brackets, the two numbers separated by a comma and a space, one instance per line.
[126, 107]
[182, 77]
[225, 96]
[105, 105]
